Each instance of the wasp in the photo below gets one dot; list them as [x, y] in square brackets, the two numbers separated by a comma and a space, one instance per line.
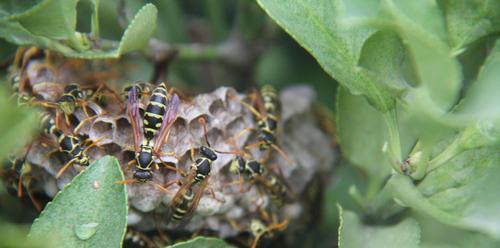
[17, 173]
[146, 149]
[267, 114]
[259, 230]
[67, 144]
[18, 77]
[141, 88]
[189, 194]
[254, 171]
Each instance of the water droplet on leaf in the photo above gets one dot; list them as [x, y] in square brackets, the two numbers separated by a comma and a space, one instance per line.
[86, 231]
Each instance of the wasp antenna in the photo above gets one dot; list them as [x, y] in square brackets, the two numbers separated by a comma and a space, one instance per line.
[203, 123]
[282, 154]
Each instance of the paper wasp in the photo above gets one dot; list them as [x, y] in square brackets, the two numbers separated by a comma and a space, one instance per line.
[141, 88]
[66, 143]
[254, 171]
[259, 230]
[268, 114]
[186, 199]
[146, 149]
[74, 96]
[17, 175]
[18, 77]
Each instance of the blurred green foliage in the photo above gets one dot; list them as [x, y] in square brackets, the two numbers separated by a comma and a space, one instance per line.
[428, 144]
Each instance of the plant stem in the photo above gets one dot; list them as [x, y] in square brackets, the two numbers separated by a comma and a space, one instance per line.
[394, 151]
[198, 52]
[94, 28]
[75, 42]
[448, 153]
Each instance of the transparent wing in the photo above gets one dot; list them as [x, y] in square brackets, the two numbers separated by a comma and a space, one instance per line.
[168, 119]
[134, 116]
[198, 193]
[259, 102]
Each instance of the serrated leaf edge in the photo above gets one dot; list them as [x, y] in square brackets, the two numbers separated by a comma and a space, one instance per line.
[132, 23]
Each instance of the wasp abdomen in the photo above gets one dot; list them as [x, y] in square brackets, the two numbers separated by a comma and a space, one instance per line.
[183, 207]
[153, 117]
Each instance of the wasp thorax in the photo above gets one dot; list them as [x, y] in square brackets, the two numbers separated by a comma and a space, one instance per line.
[203, 166]
[208, 153]
[144, 159]
[255, 167]
[267, 137]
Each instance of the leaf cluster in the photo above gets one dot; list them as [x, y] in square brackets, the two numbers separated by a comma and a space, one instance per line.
[417, 112]
[53, 24]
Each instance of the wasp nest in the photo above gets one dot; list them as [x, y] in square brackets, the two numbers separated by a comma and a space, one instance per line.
[308, 148]
[308, 153]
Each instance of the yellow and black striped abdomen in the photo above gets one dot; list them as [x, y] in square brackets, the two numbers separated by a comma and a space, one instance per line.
[181, 209]
[153, 117]
[48, 124]
[271, 101]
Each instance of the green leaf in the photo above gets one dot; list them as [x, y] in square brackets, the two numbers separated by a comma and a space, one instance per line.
[337, 50]
[438, 235]
[468, 21]
[204, 242]
[481, 100]
[14, 33]
[383, 55]
[54, 19]
[421, 27]
[91, 211]
[462, 192]
[13, 235]
[362, 134]
[12, 7]
[353, 233]
[136, 36]
[17, 125]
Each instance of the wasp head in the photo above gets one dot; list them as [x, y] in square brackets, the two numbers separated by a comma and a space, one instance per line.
[208, 153]
[67, 104]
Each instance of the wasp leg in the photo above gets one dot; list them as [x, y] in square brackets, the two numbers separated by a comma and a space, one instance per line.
[126, 181]
[247, 105]
[212, 193]
[160, 187]
[80, 125]
[64, 168]
[33, 200]
[130, 163]
[275, 147]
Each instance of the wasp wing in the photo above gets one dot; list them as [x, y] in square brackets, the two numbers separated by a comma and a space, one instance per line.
[134, 116]
[168, 120]
[259, 102]
[177, 201]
